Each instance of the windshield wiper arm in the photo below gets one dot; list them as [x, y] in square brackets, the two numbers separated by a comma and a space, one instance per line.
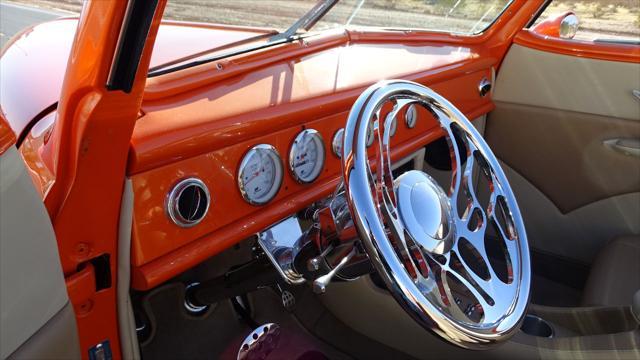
[307, 21]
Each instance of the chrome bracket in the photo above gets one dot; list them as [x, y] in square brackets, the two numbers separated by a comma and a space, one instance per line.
[281, 243]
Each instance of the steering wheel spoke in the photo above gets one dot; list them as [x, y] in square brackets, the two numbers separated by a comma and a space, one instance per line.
[479, 290]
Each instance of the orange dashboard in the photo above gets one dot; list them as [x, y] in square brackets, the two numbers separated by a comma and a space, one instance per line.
[204, 132]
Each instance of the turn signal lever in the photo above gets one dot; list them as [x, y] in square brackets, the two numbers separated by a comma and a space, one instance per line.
[338, 242]
[320, 284]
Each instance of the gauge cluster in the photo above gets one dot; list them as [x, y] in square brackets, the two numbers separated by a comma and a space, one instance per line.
[261, 171]
[291, 168]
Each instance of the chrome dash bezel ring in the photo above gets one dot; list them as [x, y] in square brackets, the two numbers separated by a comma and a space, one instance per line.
[171, 206]
[321, 153]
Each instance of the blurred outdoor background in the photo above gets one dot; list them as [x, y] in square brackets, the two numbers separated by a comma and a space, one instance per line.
[611, 19]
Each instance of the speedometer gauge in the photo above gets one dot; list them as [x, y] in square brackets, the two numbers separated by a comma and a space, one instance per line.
[260, 174]
[306, 157]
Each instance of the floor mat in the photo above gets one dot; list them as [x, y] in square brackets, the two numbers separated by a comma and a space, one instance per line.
[219, 333]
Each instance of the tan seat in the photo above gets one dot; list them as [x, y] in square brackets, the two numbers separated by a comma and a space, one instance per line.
[615, 274]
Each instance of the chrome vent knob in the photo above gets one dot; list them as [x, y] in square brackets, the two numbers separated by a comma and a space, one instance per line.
[188, 202]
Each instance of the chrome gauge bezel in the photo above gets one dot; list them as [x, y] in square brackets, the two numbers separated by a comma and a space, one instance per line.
[411, 116]
[394, 127]
[336, 143]
[317, 170]
[370, 134]
[172, 202]
[273, 191]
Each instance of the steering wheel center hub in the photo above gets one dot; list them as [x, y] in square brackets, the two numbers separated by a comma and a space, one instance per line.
[425, 210]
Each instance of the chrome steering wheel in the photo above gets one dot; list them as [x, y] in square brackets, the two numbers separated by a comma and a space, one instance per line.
[459, 267]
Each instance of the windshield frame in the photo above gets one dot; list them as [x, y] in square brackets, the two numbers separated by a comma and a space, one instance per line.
[293, 33]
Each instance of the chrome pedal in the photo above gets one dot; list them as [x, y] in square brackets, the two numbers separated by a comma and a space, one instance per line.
[260, 343]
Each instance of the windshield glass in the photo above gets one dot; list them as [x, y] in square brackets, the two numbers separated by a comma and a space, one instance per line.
[264, 23]
[454, 16]
[271, 14]
[459, 16]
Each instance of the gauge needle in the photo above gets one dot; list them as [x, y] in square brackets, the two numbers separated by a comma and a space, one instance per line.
[254, 176]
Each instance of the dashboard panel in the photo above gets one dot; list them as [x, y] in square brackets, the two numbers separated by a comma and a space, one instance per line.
[161, 249]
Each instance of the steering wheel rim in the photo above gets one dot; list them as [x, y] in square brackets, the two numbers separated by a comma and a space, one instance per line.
[415, 238]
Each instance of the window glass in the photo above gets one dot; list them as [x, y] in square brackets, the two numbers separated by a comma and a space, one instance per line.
[273, 14]
[601, 20]
[455, 16]
[459, 16]
[293, 18]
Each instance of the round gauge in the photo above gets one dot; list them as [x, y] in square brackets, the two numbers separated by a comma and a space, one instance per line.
[306, 157]
[336, 143]
[411, 116]
[370, 135]
[394, 127]
[260, 174]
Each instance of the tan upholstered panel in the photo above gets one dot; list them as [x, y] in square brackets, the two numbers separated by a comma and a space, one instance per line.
[562, 152]
[57, 339]
[126, 321]
[538, 78]
[552, 114]
[579, 234]
[32, 287]
[615, 274]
